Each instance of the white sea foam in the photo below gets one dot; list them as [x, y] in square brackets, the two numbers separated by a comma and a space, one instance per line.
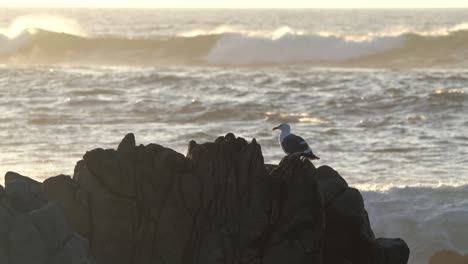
[239, 45]
[10, 45]
[232, 29]
[242, 49]
[17, 34]
[428, 219]
[279, 32]
[51, 23]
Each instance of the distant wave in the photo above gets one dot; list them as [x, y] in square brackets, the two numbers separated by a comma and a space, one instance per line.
[241, 49]
[41, 46]
[405, 50]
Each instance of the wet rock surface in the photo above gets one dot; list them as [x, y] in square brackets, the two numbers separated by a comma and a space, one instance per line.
[218, 204]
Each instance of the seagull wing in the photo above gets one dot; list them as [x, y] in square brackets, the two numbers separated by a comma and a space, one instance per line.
[295, 144]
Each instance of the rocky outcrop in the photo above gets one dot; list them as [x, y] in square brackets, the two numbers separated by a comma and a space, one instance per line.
[22, 193]
[218, 204]
[150, 204]
[34, 229]
[348, 236]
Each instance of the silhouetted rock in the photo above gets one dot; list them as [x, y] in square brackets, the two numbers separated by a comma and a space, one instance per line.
[127, 145]
[150, 204]
[24, 242]
[392, 250]
[331, 183]
[348, 229]
[232, 218]
[297, 212]
[270, 167]
[33, 230]
[192, 144]
[11, 176]
[52, 225]
[349, 237]
[74, 251]
[74, 200]
[5, 223]
[23, 193]
[218, 204]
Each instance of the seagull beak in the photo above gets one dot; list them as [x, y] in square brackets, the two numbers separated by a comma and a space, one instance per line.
[275, 128]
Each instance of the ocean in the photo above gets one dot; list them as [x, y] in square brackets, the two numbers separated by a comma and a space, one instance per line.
[380, 95]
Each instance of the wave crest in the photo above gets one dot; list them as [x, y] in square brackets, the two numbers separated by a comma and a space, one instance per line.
[42, 46]
[283, 46]
[51, 23]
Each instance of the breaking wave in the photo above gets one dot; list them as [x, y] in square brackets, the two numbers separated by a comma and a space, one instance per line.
[400, 50]
[39, 46]
[411, 211]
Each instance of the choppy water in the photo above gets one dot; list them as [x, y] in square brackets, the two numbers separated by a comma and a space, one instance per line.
[381, 96]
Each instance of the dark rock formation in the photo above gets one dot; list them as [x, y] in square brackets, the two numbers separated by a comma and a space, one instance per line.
[348, 235]
[297, 211]
[73, 198]
[23, 193]
[150, 204]
[218, 204]
[392, 250]
[35, 230]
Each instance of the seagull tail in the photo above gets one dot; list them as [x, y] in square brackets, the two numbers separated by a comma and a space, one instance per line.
[310, 155]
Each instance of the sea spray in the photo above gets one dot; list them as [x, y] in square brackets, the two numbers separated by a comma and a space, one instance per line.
[428, 219]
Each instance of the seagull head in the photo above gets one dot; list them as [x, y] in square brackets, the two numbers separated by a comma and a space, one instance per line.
[283, 127]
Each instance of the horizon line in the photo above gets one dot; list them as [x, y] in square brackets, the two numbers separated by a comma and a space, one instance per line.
[227, 8]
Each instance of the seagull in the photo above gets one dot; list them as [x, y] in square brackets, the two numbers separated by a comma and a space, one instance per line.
[291, 143]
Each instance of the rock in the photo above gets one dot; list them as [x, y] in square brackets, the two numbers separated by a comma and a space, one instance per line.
[2, 192]
[151, 204]
[298, 214]
[192, 144]
[75, 251]
[3, 253]
[74, 200]
[448, 257]
[19, 194]
[348, 232]
[40, 237]
[392, 251]
[127, 145]
[13, 176]
[111, 218]
[219, 203]
[5, 226]
[52, 224]
[23, 193]
[25, 243]
[331, 184]
[230, 173]
[30, 233]
[349, 237]
[134, 205]
[270, 167]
